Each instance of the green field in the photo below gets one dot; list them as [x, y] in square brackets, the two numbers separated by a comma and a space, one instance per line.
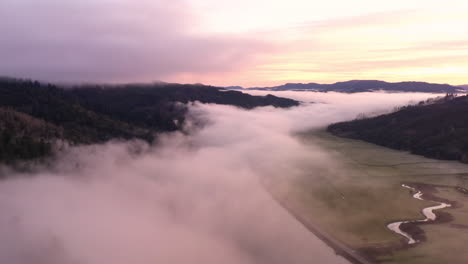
[355, 199]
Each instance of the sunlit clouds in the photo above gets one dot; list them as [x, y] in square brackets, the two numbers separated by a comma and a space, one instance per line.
[249, 43]
[427, 44]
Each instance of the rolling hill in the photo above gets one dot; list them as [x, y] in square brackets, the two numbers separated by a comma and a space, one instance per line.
[437, 129]
[33, 115]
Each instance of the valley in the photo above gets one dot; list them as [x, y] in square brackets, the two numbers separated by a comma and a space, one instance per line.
[355, 201]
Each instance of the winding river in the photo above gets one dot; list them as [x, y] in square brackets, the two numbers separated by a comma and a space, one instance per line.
[428, 212]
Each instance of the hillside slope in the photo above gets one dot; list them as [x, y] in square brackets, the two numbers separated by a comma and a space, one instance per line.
[25, 137]
[94, 114]
[438, 130]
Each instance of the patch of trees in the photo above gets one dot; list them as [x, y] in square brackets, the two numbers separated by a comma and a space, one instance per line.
[25, 137]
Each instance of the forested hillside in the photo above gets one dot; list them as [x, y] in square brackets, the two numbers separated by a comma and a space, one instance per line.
[33, 115]
[25, 137]
[437, 130]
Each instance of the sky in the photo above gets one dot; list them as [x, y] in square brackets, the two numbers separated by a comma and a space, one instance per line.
[243, 42]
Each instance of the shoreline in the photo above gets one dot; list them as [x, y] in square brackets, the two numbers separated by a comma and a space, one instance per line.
[340, 248]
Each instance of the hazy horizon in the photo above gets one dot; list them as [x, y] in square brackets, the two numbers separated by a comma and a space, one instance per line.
[84, 83]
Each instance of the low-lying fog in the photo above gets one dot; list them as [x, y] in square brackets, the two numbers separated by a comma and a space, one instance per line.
[196, 198]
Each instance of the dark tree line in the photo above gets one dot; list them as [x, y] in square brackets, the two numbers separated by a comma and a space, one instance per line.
[98, 113]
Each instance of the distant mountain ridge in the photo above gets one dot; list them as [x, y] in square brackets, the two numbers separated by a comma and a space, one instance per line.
[356, 86]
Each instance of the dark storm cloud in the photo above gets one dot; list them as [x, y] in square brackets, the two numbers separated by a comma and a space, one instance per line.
[114, 41]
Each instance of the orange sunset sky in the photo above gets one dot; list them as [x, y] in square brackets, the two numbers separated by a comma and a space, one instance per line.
[248, 43]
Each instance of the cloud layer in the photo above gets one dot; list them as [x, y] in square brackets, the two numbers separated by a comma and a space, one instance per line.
[112, 41]
[197, 198]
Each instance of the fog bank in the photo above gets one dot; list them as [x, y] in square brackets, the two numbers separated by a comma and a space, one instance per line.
[194, 198]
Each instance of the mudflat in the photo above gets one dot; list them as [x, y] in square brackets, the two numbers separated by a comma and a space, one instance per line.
[355, 201]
